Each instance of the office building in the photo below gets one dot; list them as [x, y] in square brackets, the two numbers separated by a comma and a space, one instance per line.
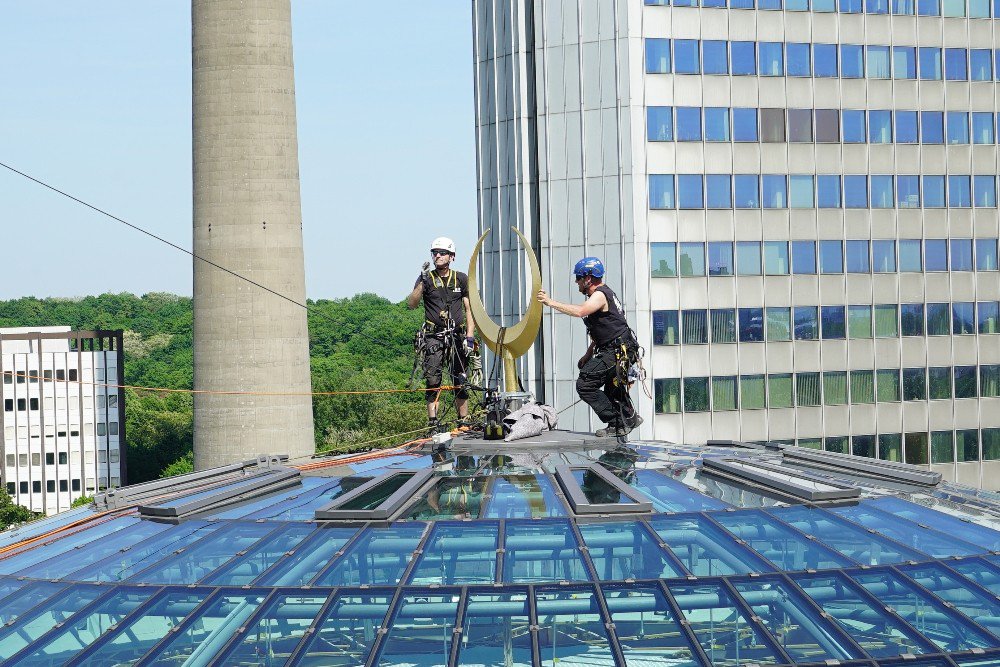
[797, 203]
[63, 425]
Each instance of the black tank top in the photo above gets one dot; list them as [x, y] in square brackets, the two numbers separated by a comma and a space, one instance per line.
[604, 327]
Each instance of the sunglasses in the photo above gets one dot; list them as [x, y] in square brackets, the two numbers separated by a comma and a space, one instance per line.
[440, 252]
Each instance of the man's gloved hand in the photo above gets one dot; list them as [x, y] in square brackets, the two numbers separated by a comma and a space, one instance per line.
[469, 344]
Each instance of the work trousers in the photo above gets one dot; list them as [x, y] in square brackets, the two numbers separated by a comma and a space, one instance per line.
[597, 388]
[435, 362]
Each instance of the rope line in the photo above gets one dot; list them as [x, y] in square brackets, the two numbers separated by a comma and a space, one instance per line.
[168, 390]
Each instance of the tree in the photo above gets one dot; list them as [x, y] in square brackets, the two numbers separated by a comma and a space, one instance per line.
[12, 513]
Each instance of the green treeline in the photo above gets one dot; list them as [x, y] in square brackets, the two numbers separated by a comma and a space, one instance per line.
[356, 344]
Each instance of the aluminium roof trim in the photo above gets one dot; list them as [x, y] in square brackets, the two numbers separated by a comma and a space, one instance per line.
[581, 505]
[251, 487]
[860, 465]
[792, 482]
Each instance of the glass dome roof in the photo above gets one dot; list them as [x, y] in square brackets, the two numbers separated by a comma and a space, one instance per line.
[563, 551]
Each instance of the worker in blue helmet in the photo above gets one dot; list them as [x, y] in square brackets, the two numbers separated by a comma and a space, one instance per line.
[603, 382]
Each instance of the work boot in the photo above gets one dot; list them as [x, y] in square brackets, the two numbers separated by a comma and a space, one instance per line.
[433, 426]
[611, 431]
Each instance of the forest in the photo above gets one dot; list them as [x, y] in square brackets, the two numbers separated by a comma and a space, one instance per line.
[360, 343]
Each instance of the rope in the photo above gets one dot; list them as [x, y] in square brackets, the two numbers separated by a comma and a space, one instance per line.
[167, 390]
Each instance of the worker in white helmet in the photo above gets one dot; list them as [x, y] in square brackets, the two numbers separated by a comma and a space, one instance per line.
[447, 335]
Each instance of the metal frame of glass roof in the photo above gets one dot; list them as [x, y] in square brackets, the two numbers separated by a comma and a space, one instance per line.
[490, 564]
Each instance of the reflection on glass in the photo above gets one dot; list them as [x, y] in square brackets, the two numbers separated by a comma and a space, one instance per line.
[571, 630]
[451, 498]
[722, 628]
[542, 551]
[986, 538]
[670, 495]
[261, 557]
[65, 544]
[864, 618]
[47, 609]
[647, 629]
[929, 541]
[948, 629]
[522, 497]
[787, 549]
[345, 635]
[421, 631]
[979, 570]
[276, 634]
[209, 632]
[378, 494]
[625, 550]
[463, 553]
[496, 631]
[704, 549]
[972, 601]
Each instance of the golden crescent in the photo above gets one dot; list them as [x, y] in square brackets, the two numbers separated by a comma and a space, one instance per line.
[518, 338]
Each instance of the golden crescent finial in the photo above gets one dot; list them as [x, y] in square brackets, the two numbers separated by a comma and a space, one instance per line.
[518, 338]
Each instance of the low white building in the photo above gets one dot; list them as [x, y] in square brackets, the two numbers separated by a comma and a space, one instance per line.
[63, 426]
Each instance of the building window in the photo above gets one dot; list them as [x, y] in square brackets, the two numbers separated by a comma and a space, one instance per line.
[988, 317]
[800, 129]
[663, 260]
[747, 191]
[807, 389]
[904, 62]
[33, 403]
[692, 259]
[985, 191]
[8, 377]
[862, 387]
[753, 393]
[724, 393]
[73, 375]
[668, 395]
[717, 124]
[659, 124]
[986, 254]
[798, 59]
[886, 321]
[22, 404]
[857, 257]
[36, 486]
[743, 58]
[76, 485]
[657, 58]
[957, 123]
[955, 63]
[719, 191]
[23, 488]
[723, 321]
[825, 60]
[695, 327]
[852, 61]
[772, 126]
[779, 324]
[835, 387]
[914, 384]
[665, 327]
[890, 447]
[751, 325]
[688, 124]
[50, 486]
[967, 445]
[859, 321]
[806, 323]
[803, 257]
[989, 381]
[715, 57]
[775, 258]
[779, 390]
[959, 192]
[690, 193]
[8, 404]
[884, 256]
[965, 382]
[929, 58]
[775, 194]
[855, 191]
[50, 459]
[939, 383]
[745, 125]
[696, 394]
[720, 257]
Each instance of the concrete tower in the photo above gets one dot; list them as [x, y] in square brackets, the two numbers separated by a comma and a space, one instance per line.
[247, 218]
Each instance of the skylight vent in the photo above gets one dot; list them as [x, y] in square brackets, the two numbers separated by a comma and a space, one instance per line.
[227, 494]
[595, 490]
[778, 478]
[378, 499]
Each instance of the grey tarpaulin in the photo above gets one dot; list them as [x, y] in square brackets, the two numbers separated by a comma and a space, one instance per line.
[530, 420]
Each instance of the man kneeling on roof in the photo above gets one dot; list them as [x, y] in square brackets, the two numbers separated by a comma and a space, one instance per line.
[603, 381]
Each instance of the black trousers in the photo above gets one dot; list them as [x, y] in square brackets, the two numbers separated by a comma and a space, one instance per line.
[596, 387]
[437, 356]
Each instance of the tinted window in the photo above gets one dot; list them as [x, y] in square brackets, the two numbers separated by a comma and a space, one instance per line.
[906, 127]
[744, 124]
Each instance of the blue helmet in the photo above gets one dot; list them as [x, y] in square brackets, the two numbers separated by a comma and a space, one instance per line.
[589, 266]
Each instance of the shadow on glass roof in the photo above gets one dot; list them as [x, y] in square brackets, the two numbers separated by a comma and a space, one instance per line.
[558, 550]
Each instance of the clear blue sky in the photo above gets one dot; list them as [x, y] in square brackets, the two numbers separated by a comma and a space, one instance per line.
[95, 98]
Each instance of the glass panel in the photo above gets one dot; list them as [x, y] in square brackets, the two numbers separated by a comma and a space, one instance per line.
[571, 630]
[309, 558]
[346, 634]
[131, 640]
[862, 387]
[878, 633]
[661, 193]
[946, 628]
[972, 533]
[887, 381]
[20, 596]
[782, 546]
[379, 556]
[938, 545]
[692, 259]
[790, 618]
[779, 390]
[855, 543]
[657, 56]
[915, 448]
[720, 257]
[278, 632]
[670, 495]
[978, 570]
[542, 551]
[647, 629]
[455, 554]
[724, 393]
[835, 387]
[626, 551]
[666, 327]
[752, 392]
[886, 321]
[261, 556]
[723, 325]
[942, 447]
[807, 389]
[748, 260]
[525, 496]
[203, 558]
[956, 590]
[421, 631]
[859, 321]
[704, 549]
[659, 124]
[663, 260]
[806, 323]
[667, 396]
[84, 628]
[496, 631]
[722, 628]
[696, 394]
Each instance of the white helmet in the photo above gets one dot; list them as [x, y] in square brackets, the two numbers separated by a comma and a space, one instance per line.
[443, 243]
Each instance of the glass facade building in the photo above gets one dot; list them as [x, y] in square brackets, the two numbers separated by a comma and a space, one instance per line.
[791, 196]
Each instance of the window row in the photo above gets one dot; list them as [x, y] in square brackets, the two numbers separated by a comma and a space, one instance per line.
[918, 448]
[850, 126]
[32, 376]
[782, 258]
[976, 9]
[804, 59]
[779, 324]
[813, 389]
[808, 191]
[36, 486]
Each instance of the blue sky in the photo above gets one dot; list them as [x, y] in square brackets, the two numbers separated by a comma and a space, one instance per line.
[96, 99]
